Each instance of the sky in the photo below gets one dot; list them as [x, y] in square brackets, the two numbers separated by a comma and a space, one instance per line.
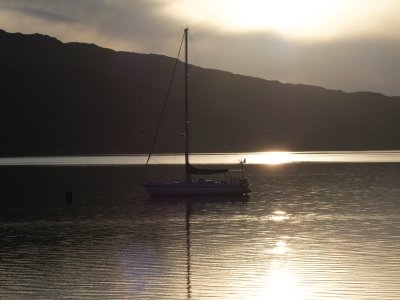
[350, 45]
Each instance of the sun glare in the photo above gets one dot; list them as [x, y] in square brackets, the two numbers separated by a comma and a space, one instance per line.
[281, 284]
[306, 19]
[270, 158]
[285, 16]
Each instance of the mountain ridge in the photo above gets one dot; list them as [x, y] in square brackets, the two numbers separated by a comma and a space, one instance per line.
[77, 98]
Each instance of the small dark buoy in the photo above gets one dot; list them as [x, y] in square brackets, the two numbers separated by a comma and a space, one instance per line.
[68, 196]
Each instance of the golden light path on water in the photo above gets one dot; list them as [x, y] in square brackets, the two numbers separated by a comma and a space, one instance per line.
[299, 237]
[283, 157]
[272, 277]
[263, 158]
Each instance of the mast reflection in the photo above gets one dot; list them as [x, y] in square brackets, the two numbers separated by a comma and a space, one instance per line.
[188, 257]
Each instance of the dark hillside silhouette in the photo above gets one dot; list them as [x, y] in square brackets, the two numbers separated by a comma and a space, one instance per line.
[74, 98]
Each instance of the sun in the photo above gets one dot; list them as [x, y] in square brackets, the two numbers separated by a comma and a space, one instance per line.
[287, 17]
[294, 19]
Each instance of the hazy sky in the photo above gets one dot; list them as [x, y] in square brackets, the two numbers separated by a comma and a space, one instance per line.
[350, 45]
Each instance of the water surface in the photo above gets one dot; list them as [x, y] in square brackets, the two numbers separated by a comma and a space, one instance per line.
[307, 231]
[269, 157]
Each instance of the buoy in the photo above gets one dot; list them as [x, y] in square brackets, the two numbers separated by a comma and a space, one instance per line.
[68, 196]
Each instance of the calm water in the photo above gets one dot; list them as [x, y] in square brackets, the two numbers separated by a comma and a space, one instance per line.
[307, 231]
[270, 157]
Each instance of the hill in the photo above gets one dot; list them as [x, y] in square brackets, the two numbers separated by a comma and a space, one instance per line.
[74, 98]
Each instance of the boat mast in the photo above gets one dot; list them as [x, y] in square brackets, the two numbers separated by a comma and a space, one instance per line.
[187, 172]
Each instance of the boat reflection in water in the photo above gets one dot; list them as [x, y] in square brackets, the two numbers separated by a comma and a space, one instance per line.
[212, 265]
[192, 205]
[188, 255]
[301, 239]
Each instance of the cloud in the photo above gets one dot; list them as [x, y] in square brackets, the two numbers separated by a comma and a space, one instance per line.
[135, 25]
[47, 15]
[367, 63]
[305, 19]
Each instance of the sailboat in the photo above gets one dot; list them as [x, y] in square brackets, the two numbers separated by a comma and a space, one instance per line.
[200, 186]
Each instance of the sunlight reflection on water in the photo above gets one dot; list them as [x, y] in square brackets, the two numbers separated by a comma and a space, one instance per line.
[306, 232]
[267, 158]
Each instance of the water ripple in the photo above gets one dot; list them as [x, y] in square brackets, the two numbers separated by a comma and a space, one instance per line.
[306, 232]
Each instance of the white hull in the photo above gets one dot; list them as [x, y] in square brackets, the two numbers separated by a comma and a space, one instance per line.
[195, 189]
